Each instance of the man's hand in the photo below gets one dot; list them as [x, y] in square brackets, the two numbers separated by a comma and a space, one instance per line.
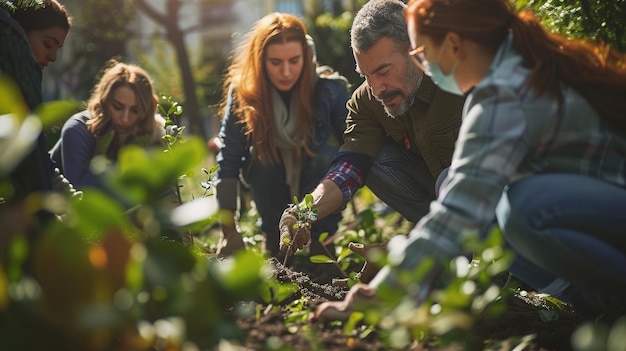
[293, 235]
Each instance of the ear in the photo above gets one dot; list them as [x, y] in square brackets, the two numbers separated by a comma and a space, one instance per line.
[455, 41]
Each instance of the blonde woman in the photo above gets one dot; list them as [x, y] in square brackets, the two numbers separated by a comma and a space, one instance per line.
[121, 111]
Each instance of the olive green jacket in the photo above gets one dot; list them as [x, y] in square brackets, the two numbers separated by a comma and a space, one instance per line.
[430, 126]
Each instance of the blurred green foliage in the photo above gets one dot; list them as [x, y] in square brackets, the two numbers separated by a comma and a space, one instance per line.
[105, 275]
[594, 19]
[463, 296]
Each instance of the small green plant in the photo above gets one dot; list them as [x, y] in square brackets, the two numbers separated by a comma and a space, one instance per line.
[366, 227]
[170, 110]
[464, 295]
[208, 184]
[304, 210]
[328, 258]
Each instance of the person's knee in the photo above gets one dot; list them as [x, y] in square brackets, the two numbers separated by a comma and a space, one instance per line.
[390, 153]
[400, 191]
[518, 216]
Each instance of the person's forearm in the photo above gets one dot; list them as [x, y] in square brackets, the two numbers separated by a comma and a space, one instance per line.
[327, 198]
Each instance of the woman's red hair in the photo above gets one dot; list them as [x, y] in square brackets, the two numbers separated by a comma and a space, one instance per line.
[252, 94]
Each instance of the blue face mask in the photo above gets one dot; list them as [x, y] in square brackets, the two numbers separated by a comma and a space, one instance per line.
[445, 82]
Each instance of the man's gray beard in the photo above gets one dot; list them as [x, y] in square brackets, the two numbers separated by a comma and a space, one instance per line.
[414, 79]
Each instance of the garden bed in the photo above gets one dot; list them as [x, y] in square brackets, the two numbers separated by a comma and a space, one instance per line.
[525, 315]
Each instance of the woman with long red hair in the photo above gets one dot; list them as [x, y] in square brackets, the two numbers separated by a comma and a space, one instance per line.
[279, 123]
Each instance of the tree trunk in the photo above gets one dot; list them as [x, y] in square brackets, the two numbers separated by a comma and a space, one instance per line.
[176, 36]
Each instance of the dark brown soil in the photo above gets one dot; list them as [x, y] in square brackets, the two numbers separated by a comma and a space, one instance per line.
[521, 318]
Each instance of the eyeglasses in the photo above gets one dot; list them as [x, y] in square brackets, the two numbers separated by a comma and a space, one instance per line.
[420, 59]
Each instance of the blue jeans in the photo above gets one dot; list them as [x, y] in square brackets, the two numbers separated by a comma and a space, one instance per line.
[568, 232]
[401, 179]
[271, 194]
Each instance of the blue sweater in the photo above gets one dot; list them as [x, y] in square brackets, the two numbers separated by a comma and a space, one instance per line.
[74, 151]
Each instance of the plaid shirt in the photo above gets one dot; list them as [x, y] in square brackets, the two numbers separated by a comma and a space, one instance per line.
[348, 178]
[508, 133]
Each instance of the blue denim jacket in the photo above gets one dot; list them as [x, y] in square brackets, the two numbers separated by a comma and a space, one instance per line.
[331, 96]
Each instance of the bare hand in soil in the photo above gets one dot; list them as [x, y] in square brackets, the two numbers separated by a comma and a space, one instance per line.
[341, 310]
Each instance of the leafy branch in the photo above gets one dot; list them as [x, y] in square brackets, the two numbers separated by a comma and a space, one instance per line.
[170, 109]
[208, 185]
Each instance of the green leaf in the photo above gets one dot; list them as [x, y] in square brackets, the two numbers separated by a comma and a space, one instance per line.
[308, 201]
[17, 137]
[143, 175]
[179, 110]
[352, 322]
[214, 169]
[166, 262]
[198, 213]
[97, 213]
[244, 274]
[294, 317]
[345, 252]
[18, 252]
[323, 237]
[57, 112]
[277, 292]
[11, 100]
[162, 110]
[321, 259]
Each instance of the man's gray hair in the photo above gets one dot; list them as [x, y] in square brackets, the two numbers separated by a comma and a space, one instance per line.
[377, 19]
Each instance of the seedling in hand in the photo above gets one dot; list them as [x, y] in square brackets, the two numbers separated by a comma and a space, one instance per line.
[305, 215]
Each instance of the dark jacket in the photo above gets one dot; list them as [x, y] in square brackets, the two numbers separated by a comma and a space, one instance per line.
[34, 173]
[330, 114]
[430, 126]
